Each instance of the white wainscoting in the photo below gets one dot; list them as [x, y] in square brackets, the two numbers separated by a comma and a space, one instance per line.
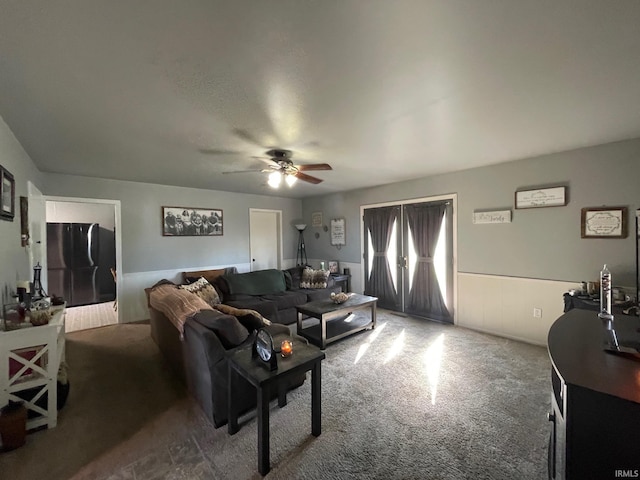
[505, 305]
[133, 301]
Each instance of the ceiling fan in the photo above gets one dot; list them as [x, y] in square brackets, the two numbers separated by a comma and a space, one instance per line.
[281, 167]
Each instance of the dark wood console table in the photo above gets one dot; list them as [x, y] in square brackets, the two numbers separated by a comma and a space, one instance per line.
[343, 280]
[595, 399]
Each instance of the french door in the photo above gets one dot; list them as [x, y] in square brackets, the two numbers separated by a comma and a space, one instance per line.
[408, 256]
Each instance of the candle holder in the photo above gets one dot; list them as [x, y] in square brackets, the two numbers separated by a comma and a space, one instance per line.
[286, 348]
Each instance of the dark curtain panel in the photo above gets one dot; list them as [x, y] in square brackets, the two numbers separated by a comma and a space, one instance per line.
[425, 298]
[379, 222]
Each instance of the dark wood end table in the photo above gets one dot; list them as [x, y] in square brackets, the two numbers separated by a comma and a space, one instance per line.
[304, 358]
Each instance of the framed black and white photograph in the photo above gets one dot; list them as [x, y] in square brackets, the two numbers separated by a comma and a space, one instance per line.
[541, 197]
[333, 266]
[190, 222]
[7, 195]
[604, 222]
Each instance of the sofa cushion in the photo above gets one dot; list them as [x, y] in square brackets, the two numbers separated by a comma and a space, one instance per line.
[292, 277]
[204, 290]
[177, 304]
[314, 278]
[256, 283]
[250, 319]
[288, 299]
[267, 309]
[228, 329]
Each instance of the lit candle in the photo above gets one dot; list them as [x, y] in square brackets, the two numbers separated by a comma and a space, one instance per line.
[286, 348]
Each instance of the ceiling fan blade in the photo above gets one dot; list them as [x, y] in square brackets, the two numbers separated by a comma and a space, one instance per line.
[314, 166]
[307, 178]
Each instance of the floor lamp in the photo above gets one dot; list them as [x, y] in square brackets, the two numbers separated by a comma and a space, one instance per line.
[301, 254]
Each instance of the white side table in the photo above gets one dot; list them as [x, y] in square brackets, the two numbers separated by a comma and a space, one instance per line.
[36, 370]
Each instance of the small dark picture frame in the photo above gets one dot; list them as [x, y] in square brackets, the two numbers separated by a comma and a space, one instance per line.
[604, 222]
[191, 222]
[7, 195]
[333, 266]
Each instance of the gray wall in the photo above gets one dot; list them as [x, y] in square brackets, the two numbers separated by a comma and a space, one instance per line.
[74, 212]
[143, 246]
[14, 259]
[540, 243]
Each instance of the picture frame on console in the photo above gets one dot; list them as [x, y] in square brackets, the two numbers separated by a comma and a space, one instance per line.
[333, 266]
[192, 222]
[7, 195]
[604, 222]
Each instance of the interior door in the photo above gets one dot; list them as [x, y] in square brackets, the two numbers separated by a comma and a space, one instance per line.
[38, 232]
[265, 239]
[408, 258]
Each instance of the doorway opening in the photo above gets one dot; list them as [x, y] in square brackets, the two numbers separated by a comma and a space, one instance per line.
[82, 251]
[409, 256]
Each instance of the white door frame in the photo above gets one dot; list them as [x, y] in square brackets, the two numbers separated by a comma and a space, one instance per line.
[454, 200]
[279, 250]
[118, 227]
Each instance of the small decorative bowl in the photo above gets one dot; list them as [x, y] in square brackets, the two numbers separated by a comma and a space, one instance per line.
[39, 317]
[339, 297]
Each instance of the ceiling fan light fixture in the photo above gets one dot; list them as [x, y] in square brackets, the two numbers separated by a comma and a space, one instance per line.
[290, 179]
[274, 179]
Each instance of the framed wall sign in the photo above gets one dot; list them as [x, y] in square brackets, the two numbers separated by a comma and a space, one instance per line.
[338, 232]
[541, 197]
[7, 195]
[604, 222]
[316, 219]
[189, 222]
[496, 216]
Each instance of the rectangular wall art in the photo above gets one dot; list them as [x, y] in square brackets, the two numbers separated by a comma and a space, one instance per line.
[604, 222]
[7, 195]
[541, 197]
[190, 221]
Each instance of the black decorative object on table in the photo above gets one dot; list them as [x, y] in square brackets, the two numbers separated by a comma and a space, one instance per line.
[38, 291]
[263, 349]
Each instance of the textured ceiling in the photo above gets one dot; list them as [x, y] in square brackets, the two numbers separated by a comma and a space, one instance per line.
[178, 92]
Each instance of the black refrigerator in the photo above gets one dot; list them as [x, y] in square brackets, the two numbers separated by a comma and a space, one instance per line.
[73, 251]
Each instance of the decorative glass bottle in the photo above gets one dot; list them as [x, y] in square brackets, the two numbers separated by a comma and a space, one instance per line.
[605, 292]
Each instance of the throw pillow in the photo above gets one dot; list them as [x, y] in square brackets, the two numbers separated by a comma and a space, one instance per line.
[204, 290]
[228, 329]
[314, 278]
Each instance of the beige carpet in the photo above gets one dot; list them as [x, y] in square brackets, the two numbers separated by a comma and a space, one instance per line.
[411, 400]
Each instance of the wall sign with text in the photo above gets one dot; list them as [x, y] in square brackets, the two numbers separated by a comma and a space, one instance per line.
[604, 222]
[541, 197]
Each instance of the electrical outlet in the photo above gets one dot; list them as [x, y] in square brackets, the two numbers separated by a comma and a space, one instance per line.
[537, 312]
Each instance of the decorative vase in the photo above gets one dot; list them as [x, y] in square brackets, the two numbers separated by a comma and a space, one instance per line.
[13, 425]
